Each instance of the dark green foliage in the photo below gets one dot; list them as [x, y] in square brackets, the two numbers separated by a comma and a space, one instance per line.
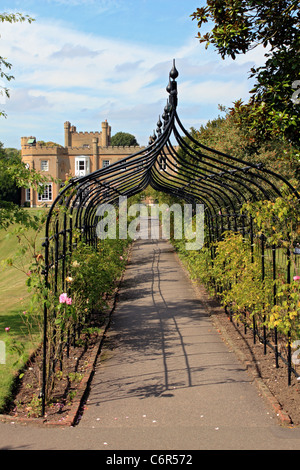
[123, 139]
[238, 27]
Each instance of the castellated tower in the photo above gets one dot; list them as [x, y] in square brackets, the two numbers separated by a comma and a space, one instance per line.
[85, 139]
[106, 134]
[67, 126]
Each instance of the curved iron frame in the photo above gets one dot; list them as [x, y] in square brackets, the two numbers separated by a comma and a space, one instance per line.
[190, 171]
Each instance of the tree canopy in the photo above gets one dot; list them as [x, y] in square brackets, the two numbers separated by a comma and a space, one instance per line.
[14, 175]
[238, 27]
[123, 139]
[8, 189]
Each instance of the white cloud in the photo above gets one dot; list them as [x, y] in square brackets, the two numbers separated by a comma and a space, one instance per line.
[212, 91]
[254, 57]
[26, 100]
[49, 49]
[67, 74]
[69, 51]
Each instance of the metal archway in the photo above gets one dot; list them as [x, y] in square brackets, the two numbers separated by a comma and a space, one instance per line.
[188, 170]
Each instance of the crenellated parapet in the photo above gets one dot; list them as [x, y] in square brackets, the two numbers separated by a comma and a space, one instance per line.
[73, 138]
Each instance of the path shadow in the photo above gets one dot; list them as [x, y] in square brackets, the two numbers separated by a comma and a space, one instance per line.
[159, 341]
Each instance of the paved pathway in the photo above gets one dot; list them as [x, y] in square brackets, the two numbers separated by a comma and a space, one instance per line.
[165, 379]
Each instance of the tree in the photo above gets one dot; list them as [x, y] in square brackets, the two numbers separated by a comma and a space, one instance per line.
[123, 139]
[226, 135]
[9, 191]
[241, 25]
[14, 175]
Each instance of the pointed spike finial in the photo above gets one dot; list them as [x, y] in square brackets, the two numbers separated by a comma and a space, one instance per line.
[167, 107]
[174, 72]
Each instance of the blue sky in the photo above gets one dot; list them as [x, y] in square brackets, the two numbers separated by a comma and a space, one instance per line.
[85, 61]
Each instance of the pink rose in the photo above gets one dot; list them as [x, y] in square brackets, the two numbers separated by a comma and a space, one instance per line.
[296, 278]
[63, 298]
[7, 329]
[69, 301]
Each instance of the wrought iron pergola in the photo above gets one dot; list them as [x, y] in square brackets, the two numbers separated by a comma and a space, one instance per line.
[188, 170]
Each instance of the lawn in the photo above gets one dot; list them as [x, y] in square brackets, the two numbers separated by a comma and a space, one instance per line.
[14, 299]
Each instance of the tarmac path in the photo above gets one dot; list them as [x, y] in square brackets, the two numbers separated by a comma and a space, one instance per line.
[165, 379]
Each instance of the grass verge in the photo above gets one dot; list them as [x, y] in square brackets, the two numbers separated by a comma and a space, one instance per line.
[16, 344]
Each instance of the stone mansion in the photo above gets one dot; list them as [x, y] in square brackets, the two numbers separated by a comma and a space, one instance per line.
[83, 153]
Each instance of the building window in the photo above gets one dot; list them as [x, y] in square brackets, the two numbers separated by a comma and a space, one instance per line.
[105, 163]
[47, 194]
[27, 194]
[44, 165]
[82, 165]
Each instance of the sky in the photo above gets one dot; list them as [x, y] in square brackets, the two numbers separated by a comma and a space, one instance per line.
[85, 61]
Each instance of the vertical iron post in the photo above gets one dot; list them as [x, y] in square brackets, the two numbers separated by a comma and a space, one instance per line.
[274, 302]
[44, 372]
[289, 353]
[263, 282]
